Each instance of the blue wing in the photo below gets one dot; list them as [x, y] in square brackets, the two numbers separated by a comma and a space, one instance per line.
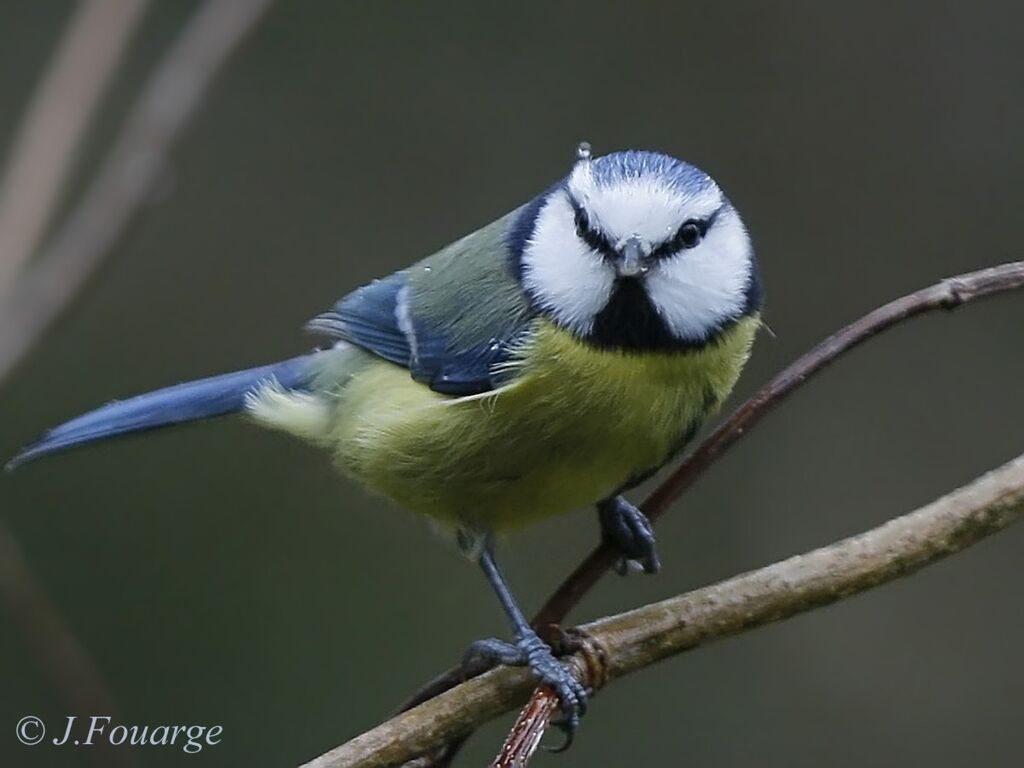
[382, 318]
[451, 319]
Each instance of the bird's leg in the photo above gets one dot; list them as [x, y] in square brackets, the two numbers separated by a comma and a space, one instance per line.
[628, 530]
[528, 650]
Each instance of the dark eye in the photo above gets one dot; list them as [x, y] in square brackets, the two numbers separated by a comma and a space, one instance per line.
[690, 234]
[687, 236]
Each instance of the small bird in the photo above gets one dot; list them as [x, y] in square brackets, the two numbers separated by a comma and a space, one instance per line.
[550, 360]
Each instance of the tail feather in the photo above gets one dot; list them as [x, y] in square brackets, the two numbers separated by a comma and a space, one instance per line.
[193, 400]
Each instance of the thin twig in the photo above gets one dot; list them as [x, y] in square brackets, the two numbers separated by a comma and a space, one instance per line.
[945, 295]
[50, 133]
[127, 177]
[30, 301]
[638, 638]
[527, 731]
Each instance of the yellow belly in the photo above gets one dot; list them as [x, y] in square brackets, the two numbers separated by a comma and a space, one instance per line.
[574, 426]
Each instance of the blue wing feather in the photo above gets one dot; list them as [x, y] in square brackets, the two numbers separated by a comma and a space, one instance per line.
[369, 318]
[450, 319]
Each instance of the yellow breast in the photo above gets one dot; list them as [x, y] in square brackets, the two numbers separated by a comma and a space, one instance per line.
[572, 427]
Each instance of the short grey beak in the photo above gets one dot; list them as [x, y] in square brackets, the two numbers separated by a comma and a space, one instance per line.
[632, 259]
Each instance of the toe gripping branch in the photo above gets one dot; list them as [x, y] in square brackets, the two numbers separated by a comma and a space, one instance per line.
[587, 663]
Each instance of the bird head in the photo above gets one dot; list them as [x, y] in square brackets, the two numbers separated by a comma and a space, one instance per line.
[637, 250]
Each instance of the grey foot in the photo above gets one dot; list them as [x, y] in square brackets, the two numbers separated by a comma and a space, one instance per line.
[530, 651]
[626, 528]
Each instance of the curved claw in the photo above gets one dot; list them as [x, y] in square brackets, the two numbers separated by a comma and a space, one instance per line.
[627, 529]
[568, 728]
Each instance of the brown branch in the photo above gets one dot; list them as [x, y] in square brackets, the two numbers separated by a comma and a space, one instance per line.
[945, 295]
[51, 131]
[636, 639]
[128, 175]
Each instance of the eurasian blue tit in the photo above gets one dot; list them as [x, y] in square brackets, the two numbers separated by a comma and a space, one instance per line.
[550, 360]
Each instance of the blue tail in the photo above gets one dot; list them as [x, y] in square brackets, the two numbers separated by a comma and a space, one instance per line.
[190, 401]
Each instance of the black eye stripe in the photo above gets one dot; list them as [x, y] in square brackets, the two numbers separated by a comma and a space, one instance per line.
[594, 239]
[682, 240]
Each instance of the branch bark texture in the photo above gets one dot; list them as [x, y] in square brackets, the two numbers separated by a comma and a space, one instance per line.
[621, 644]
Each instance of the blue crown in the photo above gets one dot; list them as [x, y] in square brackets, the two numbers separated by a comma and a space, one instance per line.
[632, 163]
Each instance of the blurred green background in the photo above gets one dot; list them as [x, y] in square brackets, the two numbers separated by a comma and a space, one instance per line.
[221, 574]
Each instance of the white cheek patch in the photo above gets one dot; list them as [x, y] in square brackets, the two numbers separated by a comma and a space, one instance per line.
[696, 290]
[565, 277]
[646, 205]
